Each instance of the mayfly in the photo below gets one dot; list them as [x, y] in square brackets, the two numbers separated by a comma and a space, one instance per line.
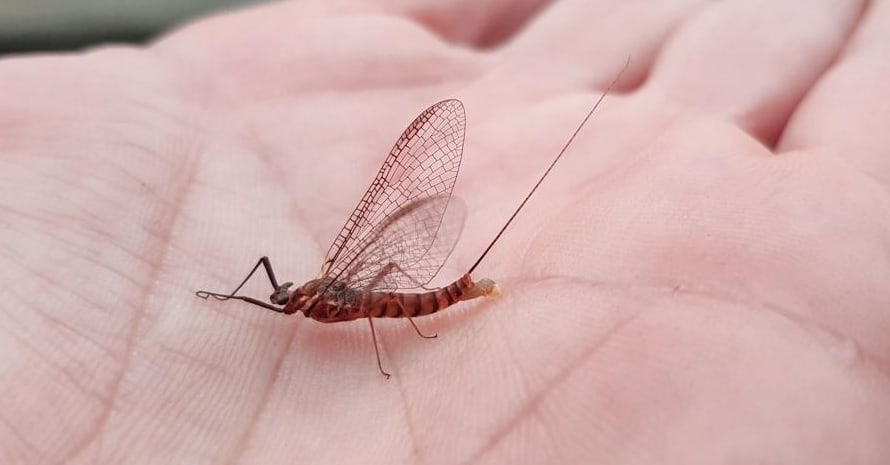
[396, 238]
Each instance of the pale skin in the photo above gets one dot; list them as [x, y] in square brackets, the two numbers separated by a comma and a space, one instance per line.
[704, 278]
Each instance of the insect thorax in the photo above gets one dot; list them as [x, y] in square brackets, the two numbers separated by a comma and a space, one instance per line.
[326, 300]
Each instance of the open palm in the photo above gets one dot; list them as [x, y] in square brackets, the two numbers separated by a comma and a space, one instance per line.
[704, 278]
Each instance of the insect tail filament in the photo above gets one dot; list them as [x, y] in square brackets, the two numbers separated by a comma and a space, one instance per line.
[552, 164]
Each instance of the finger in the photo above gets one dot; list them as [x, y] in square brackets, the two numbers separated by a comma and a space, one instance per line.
[480, 24]
[271, 51]
[591, 41]
[751, 62]
[849, 111]
[276, 28]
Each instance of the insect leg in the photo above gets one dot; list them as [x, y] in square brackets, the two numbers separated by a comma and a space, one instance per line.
[383, 272]
[267, 265]
[376, 350]
[249, 300]
[411, 320]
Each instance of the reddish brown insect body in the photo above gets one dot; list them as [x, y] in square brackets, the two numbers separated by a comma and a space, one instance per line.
[329, 302]
[398, 237]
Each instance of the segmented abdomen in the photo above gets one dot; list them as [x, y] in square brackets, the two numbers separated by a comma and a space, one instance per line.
[399, 305]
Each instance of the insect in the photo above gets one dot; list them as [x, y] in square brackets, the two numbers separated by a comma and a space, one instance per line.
[396, 239]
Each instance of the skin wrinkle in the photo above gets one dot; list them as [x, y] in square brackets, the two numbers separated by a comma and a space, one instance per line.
[51, 283]
[685, 289]
[50, 228]
[66, 374]
[261, 150]
[531, 406]
[406, 412]
[380, 75]
[802, 145]
[412, 428]
[241, 443]
[89, 258]
[526, 392]
[743, 119]
[864, 360]
[774, 140]
[198, 361]
[549, 437]
[150, 106]
[50, 222]
[50, 173]
[641, 61]
[71, 329]
[800, 321]
[416, 449]
[242, 317]
[95, 434]
[10, 254]
[11, 428]
[48, 360]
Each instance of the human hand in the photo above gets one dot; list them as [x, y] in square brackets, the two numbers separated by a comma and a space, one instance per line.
[676, 291]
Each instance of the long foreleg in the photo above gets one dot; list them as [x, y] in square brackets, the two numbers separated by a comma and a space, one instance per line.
[278, 297]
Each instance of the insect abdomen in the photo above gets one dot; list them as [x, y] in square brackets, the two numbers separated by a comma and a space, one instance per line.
[401, 305]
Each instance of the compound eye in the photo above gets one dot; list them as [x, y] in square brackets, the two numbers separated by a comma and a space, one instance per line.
[280, 296]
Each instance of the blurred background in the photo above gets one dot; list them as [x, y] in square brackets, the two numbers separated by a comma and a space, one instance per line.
[35, 25]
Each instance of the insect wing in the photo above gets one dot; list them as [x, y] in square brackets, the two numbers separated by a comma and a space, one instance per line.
[410, 247]
[390, 240]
